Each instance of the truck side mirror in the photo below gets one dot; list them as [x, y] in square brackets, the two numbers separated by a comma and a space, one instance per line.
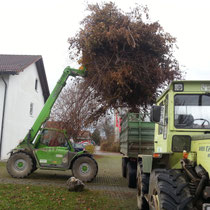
[155, 114]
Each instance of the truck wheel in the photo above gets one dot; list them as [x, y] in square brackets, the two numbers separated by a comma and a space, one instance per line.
[131, 174]
[142, 188]
[85, 168]
[19, 165]
[169, 190]
[124, 167]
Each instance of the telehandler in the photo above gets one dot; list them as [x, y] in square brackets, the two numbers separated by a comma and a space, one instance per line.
[50, 149]
[176, 175]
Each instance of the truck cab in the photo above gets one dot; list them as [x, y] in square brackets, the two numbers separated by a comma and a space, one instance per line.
[181, 157]
[184, 121]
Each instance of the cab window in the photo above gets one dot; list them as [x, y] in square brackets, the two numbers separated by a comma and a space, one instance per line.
[53, 138]
[192, 111]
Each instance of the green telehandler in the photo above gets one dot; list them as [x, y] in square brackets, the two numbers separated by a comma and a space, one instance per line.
[50, 149]
[176, 175]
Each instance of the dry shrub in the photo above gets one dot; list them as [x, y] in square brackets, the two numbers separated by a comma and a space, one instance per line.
[90, 148]
[109, 145]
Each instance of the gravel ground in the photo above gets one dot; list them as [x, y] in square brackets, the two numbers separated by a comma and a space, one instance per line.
[109, 177]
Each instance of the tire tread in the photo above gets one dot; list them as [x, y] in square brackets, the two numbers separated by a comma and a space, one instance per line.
[173, 190]
[24, 156]
[75, 167]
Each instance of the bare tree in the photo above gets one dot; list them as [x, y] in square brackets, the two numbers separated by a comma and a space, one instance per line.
[75, 108]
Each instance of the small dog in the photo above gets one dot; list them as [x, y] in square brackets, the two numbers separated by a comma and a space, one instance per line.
[74, 184]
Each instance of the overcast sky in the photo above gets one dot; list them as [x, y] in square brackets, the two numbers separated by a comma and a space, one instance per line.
[42, 27]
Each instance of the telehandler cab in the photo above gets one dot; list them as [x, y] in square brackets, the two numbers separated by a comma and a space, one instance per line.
[47, 148]
[176, 175]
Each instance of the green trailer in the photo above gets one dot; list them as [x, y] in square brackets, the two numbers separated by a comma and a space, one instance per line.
[136, 137]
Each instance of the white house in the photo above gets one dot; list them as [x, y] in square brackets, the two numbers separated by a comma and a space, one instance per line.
[23, 92]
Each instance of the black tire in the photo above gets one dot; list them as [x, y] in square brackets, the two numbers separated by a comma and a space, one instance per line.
[124, 167]
[34, 168]
[19, 165]
[169, 190]
[142, 188]
[85, 168]
[131, 174]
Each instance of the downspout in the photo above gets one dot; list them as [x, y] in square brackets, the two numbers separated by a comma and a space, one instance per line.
[3, 113]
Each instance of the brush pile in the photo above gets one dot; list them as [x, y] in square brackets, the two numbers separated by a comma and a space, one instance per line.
[127, 56]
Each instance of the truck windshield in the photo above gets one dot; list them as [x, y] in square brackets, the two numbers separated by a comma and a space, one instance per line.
[192, 111]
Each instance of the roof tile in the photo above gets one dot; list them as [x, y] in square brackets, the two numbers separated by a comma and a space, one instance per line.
[16, 63]
[13, 64]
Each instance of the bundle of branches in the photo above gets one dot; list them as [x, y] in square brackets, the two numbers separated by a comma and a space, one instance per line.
[127, 56]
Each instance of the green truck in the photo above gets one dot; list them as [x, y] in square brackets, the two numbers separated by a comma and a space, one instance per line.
[50, 149]
[135, 137]
[176, 175]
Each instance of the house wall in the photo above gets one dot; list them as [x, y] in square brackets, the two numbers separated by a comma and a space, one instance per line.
[20, 114]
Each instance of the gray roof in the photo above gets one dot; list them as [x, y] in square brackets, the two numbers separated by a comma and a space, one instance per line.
[13, 64]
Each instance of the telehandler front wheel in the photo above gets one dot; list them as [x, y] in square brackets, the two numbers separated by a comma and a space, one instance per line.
[85, 168]
[168, 190]
[19, 165]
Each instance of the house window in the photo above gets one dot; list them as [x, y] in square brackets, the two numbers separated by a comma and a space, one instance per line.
[36, 84]
[31, 109]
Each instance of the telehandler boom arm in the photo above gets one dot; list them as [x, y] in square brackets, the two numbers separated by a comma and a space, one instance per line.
[45, 112]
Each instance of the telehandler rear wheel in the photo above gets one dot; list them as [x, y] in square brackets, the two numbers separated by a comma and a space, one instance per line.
[19, 165]
[85, 168]
[168, 190]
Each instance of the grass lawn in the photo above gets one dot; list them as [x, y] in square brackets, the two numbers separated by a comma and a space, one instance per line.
[15, 196]
[109, 165]
[46, 190]
[2, 164]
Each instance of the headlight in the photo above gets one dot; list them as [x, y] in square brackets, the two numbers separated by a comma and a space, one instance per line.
[178, 87]
[180, 143]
